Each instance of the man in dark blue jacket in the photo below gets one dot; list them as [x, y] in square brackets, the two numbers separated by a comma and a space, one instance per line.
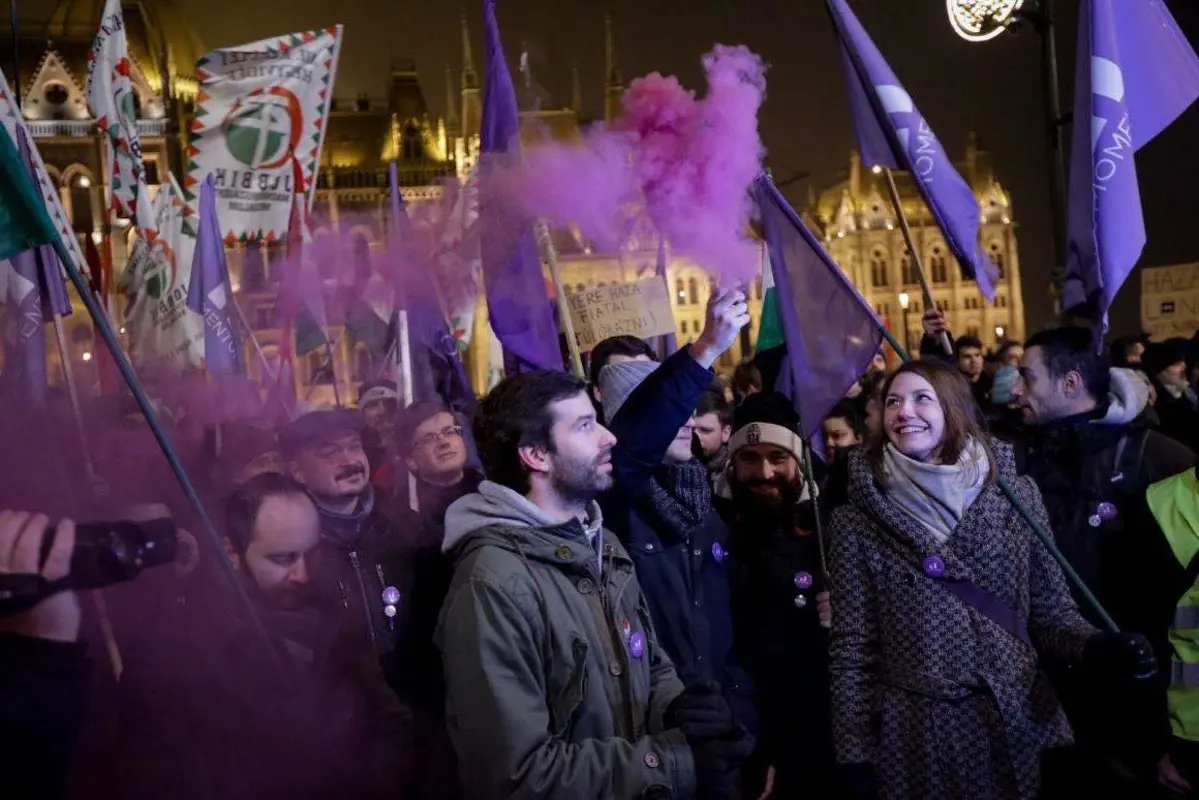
[661, 507]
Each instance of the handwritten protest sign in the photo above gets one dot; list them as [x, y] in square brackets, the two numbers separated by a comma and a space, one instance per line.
[638, 308]
[1170, 301]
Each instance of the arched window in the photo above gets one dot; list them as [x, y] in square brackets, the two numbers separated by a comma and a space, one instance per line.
[938, 267]
[909, 269]
[996, 254]
[683, 327]
[878, 268]
[411, 144]
[692, 291]
[680, 292]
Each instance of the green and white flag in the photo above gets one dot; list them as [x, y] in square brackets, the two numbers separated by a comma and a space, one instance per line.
[260, 107]
[770, 328]
[161, 328]
[47, 189]
[111, 98]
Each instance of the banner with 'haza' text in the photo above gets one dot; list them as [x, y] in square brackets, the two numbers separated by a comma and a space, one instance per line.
[260, 107]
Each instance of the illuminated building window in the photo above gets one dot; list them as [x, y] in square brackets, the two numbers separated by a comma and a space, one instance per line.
[680, 292]
[693, 291]
[878, 268]
[996, 254]
[938, 266]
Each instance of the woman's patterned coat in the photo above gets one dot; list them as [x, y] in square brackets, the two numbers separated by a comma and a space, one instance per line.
[941, 700]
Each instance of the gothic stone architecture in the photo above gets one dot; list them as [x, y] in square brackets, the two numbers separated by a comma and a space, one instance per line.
[861, 233]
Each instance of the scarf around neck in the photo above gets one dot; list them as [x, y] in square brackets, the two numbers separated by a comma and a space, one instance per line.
[678, 499]
[936, 495]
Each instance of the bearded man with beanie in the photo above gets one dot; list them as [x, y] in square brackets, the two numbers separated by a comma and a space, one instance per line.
[662, 508]
[780, 600]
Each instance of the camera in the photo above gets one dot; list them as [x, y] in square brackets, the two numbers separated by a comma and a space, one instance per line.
[105, 553]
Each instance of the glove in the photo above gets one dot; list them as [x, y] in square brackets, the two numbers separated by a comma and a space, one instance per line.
[700, 712]
[1120, 656]
[858, 781]
[718, 763]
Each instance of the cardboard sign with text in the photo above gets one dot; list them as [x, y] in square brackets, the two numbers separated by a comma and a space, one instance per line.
[637, 308]
[1170, 301]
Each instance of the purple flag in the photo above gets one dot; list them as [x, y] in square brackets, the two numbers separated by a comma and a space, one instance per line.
[437, 369]
[34, 293]
[893, 133]
[830, 333]
[1136, 74]
[210, 293]
[522, 315]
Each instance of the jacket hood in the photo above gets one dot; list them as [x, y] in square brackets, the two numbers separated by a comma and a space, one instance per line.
[497, 505]
[1127, 397]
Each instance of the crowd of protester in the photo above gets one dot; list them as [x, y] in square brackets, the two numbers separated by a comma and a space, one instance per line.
[647, 584]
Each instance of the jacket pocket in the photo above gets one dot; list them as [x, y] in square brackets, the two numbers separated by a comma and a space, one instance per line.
[571, 689]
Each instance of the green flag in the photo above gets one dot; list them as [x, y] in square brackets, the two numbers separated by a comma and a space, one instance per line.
[770, 329]
[24, 223]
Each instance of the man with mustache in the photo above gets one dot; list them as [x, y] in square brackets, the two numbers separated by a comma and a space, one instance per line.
[366, 568]
[780, 600]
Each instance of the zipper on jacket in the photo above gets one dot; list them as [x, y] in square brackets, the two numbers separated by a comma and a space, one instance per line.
[366, 609]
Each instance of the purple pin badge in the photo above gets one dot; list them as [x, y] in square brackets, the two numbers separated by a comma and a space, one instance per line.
[933, 566]
[391, 596]
[718, 552]
[1107, 511]
[637, 645]
[803, 580]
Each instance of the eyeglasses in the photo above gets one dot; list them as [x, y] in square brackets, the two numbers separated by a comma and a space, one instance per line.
[434, 438]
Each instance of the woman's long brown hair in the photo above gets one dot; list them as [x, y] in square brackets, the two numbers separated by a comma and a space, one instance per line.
[963, 419]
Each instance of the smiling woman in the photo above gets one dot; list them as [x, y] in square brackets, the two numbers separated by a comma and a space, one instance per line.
[936, 577]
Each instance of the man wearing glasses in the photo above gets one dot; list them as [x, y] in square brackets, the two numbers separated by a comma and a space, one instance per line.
[433, 444]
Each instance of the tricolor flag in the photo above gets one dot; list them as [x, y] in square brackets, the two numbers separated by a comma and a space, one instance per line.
[301, 291]
[111, 98]
[1136, 74]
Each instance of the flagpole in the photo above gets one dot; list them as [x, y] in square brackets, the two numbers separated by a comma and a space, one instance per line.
[929, 302]
[245, 324]
[104, 327]
[89, 468]
[550, 254]
[333, 371]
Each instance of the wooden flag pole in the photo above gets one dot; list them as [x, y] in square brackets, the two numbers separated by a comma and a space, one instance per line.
[929, 302]
[550, 254]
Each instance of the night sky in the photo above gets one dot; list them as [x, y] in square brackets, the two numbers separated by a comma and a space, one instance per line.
[993, 88]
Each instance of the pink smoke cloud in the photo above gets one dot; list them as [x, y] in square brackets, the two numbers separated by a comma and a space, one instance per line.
[684, 162]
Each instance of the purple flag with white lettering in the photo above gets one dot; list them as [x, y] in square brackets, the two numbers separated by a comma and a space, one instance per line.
[893, 133]
[210, 293]
[33, 293]
[830, 334]
[522, 315]
[1136, 74]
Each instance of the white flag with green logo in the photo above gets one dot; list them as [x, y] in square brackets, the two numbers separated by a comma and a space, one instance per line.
[112, 100]
[161, 328]
[261, 107]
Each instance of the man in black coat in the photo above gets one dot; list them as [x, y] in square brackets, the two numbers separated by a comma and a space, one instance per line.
[780, 600]
[661, 507]
[1093, 464]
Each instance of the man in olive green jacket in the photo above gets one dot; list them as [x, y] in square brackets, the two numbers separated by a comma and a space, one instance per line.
[556, 685]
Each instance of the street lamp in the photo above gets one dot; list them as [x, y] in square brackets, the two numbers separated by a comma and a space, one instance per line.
[982, 20]
[905, 302]
[999, 333]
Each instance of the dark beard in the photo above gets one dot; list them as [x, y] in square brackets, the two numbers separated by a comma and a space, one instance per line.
[756, 507]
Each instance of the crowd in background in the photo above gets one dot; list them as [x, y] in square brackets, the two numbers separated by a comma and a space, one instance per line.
[647, 584]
